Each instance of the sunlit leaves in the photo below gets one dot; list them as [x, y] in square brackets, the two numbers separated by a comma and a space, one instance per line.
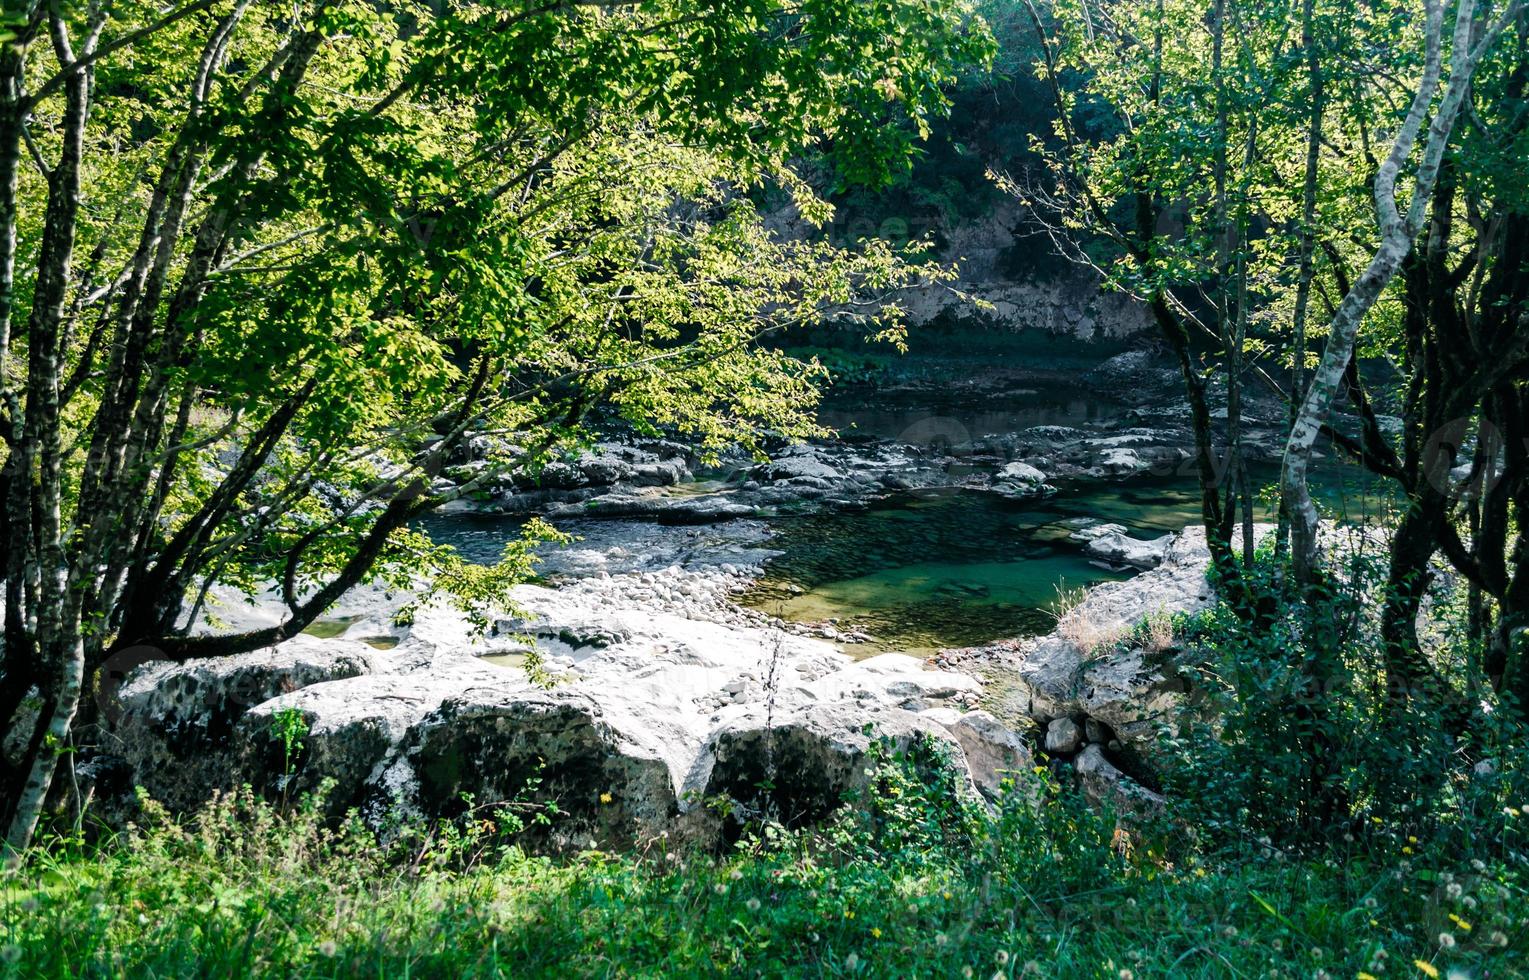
[475, 217]
[1148, 113]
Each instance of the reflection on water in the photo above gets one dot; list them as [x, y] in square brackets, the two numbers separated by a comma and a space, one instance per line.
[956, 413]
[918, 571]
[925, 570]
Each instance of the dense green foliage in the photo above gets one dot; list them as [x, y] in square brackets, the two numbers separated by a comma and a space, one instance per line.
[1249, 173]
[1293, 739]
[911, 882]
[265, 271]
[995, 116]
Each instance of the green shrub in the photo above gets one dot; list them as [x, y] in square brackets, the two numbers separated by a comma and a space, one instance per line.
[914, 879]
[1298, 745]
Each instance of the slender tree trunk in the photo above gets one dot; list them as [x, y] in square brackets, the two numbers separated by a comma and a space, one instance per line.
[1511, 637]
[1230, 294]
[1306, 269]
[58, 630]
[1412, 549]
[1397, 232]
[12, 118]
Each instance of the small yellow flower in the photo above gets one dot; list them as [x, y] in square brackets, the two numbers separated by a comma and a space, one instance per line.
[1464, 926]
[606, 797]
[849, 913]
[1406, 850]
[1367, 976]
[876, 932]
[1426, 967]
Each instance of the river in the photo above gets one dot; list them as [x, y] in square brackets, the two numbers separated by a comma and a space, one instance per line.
[918, 570]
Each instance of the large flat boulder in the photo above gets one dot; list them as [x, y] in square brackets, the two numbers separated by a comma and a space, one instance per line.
[178, 725]
[652, 710]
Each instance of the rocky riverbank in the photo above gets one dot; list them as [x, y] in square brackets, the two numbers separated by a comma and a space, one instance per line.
[1111, 677]
[655, 696]
[657, 703]
[660, 480]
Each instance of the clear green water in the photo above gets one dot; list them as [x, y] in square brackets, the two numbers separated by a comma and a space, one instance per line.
[918, 571]
[922, 571]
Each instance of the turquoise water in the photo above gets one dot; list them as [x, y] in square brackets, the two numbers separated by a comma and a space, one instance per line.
[921, 571]
[924, 570]
[917, 571]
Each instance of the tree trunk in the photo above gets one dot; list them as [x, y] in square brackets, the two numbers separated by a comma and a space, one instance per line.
[65, 702]
[58, 632]
[1306, 269]
[1412, 549]
[1397, 233]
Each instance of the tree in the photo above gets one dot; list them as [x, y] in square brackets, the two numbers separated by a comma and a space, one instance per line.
[1259, 124]
[1164, 176]
[1397, 233]
[264, 271]
[1462, 340]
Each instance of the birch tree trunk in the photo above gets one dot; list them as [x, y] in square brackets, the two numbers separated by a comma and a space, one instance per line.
[1397, 232]
[60, 638]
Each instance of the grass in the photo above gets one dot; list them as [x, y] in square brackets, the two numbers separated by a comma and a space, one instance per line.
[911, 882]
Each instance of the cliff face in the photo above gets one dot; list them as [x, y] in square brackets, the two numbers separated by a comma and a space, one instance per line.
[1027, 285]
[1017, 274]
[999, 121]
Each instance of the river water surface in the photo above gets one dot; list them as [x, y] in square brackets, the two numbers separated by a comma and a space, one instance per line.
[919, 570]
